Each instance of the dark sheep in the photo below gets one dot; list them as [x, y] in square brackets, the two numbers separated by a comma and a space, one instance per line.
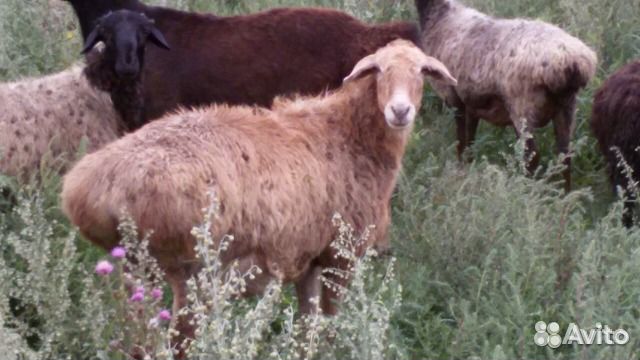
[247, 59]
[118, 69]
[615, 122]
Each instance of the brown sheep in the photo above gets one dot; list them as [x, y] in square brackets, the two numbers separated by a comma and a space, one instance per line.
[615, 122]
[279, 175]
[247, 59]
[511, 72]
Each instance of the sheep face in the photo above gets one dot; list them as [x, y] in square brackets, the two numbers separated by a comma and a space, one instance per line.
[125, 34]
[400, 68]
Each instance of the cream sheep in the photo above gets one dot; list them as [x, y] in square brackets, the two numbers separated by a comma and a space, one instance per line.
[51, 115]
[279, 175]
[519, 73]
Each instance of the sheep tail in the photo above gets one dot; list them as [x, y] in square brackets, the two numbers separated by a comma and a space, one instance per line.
[572, 76]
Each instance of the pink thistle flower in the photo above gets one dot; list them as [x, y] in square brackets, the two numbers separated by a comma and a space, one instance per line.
[104, 268]
[164, 315]
[118, 252]
[156, 293]
[139, 289]
[137, 297]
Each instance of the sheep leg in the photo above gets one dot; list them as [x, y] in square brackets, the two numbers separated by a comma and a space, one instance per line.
[180, 322]
[307, 288]
[461, 131]
[563, 128]
[466, 128]
[627, 215]
[472, 128]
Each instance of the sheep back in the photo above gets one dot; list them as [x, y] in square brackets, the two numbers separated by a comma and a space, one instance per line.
[277, 190]
[253, 58]
[506, 56]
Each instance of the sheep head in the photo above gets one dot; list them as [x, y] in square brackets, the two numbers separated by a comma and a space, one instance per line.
[400, 68]
[125, 34]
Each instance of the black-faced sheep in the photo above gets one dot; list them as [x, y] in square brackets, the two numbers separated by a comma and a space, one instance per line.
[279, 175]
[118, 69]
[247, 59]
[615, 122]
[511, 72]
[52, 114]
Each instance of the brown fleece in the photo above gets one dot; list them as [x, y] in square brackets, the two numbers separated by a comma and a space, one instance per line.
[279, 175]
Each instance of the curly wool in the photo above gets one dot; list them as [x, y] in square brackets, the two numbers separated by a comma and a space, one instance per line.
[45, 120]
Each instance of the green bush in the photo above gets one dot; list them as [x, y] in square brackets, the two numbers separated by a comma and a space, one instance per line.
[54, 305]
[483, 252]
[487, 252]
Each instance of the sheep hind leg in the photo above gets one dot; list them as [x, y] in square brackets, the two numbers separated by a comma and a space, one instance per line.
[472, 127]
[627, 215]
[181, 323]
[461, 132]
[563, 128]
[307, 288]
[466, 128]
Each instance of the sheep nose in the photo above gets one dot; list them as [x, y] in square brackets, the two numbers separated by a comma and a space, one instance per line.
[128, 70]
[400, 111]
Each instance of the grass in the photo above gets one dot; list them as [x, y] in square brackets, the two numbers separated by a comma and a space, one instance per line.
[483, 252]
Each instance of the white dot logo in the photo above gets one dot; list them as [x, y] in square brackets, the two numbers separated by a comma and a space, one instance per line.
[547, 334]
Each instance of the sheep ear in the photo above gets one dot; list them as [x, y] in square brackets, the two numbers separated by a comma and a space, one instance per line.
[436, 70]
[362, 68]
[93, 38]
[158, 39]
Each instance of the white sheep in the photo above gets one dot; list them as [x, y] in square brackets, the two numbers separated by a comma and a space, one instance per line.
[516, 72]
[51, 115]
[279, 175]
